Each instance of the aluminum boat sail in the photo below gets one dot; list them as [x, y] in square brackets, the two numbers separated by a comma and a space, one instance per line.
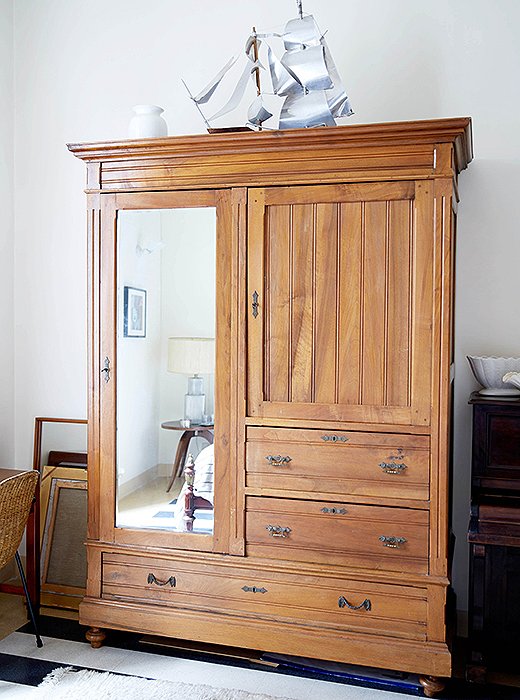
[305, 77]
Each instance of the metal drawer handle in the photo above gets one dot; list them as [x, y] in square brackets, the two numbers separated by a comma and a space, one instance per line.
[334, 511]
[278, 530]
[343, 603]
[171, 581]
[278, 460]
[394, 542]
[393, 467]
[334, 438]
[254, 589]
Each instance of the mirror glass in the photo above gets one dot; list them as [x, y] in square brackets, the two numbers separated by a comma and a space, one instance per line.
[165, 369]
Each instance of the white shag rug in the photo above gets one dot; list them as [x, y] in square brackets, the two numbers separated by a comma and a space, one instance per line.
[68, 684]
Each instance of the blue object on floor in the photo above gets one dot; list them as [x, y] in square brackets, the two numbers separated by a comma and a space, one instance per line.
[357, 675]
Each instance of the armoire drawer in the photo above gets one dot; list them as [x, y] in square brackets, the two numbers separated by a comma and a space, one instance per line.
[399, 611]
[373, 537]
[343, 463]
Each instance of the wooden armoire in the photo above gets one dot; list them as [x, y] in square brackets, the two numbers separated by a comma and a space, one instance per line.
[333, 305]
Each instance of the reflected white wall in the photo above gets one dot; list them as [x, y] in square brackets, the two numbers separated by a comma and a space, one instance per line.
[188, 292]
[171, 255]
[138, 359]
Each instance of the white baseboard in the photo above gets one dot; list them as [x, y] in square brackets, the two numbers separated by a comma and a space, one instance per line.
[140, 480]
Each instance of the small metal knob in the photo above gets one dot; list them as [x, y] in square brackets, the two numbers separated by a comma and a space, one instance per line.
[278, 460]
[254, 304]
[393, 542]
[278, 530]
[393, 467]
[254, 589]
[334, 511]
[106, 370]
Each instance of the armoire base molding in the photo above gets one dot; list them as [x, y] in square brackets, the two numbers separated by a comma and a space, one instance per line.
[426, 658]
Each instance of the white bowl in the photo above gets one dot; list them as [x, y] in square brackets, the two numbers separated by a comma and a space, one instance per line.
[489, 371]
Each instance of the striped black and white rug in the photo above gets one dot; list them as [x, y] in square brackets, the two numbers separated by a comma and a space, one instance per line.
[23, 668]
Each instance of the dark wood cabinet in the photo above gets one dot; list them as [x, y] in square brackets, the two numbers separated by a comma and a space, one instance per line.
[494, 536]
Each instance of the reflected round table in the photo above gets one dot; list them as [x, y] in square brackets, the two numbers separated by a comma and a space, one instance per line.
[203, 431]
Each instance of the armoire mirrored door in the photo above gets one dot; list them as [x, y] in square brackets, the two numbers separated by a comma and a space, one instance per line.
[161, 374]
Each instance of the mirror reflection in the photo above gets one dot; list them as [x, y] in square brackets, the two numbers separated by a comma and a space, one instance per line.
[165, 369]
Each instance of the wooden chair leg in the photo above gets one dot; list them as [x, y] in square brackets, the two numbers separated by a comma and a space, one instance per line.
[39, 642]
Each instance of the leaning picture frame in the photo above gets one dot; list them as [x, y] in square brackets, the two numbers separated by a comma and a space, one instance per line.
[134, 313]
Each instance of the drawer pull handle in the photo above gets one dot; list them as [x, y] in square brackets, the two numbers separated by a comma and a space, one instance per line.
[393, 542]
[278, 460]
[334, 511]
[254, 589]
[278, 530]
[393, 467]
[171, 581]
[334, 438]
[343, 603]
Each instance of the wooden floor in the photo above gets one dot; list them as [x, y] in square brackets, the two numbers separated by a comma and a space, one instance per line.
[12, 614]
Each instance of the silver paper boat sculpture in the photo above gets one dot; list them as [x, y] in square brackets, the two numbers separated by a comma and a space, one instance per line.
[305, 77]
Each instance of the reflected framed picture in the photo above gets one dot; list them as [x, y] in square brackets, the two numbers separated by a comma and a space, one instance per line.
[134, 313]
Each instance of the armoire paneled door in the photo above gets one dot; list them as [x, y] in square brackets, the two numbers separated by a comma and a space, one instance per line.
[296, 288]
[332, 270]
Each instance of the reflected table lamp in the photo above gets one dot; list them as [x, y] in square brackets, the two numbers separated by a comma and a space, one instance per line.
[192, 356]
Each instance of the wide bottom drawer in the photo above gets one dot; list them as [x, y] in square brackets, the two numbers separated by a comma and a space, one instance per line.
[394, 610]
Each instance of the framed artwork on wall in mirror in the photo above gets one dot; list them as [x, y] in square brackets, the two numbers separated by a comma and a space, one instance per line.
[134, 313]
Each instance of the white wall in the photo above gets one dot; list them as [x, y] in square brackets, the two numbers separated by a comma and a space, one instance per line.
[6, 235]
[81, 66]
[188, 262]
[138, 374]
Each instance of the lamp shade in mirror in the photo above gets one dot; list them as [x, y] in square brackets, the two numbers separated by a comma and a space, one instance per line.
[191, 355]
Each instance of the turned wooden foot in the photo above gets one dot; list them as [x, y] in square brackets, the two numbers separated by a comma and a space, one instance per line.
[95, 636]
[432, 686]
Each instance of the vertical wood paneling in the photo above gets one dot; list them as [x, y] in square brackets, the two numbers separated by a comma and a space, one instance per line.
[225, 369]
[398, 315]
[343, 324]
[94, 361]
[107, 347]
[237, 408]
[278, 295]
[350, 273]
[302, 305]
[325, 304]
[374, 303]
[422, 303]
[256, 342]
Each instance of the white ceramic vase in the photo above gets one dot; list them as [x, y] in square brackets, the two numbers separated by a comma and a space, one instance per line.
[147, 122]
